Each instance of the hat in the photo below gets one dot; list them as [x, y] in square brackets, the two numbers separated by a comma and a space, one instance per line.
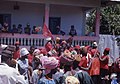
[7, 53]
[71, 80]
[49, 64]
[107, 49]
[49, 38]
[77, 47]
[23, 52]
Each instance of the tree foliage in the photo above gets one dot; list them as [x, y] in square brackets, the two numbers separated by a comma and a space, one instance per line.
[110, 20]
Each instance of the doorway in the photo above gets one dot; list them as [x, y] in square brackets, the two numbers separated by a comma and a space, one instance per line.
[53, 22]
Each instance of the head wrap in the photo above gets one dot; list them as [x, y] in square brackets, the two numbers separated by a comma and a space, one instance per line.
[49, 63]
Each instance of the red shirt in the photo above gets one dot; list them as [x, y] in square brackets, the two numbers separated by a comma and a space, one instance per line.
[30, 58]
[95, 66]
[16, 54]
[83, 62]
[104, 64]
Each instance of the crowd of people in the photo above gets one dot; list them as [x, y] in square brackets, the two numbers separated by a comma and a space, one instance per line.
[58, 62]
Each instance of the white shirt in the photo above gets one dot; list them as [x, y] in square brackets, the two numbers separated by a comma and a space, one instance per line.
[9, 75]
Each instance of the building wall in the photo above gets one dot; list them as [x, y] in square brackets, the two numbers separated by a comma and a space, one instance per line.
[33, 14]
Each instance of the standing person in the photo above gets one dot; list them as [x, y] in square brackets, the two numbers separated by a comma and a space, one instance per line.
[72, 31]
[16, 54]
[23, 63]
[9, 75]
[104, 68]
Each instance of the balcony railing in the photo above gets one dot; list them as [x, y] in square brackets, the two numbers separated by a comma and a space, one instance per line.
[39, 40]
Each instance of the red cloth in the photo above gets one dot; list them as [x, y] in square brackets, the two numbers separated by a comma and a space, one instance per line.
[30, 58]
[93, 52]
[104, 64]
[48, 46]
[83, 62]
[16, 54]
[46, 32]
[95, 67]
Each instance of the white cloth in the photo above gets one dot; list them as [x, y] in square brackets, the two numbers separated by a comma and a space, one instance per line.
[109, 41]
[9, 75]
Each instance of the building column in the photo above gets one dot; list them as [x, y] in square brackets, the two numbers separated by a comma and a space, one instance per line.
[97, 25]
[47, 9]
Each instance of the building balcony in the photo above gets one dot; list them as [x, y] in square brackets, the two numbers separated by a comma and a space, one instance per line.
[39, 40]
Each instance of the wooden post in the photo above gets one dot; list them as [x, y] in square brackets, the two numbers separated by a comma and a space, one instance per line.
[97, 25]
[47, 8]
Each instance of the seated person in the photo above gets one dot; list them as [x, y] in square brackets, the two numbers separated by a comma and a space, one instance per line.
[5, 28]
[59, 31]
[20, 29]
[72, 31]
[14, 29]
[27, 29]
[34, 31]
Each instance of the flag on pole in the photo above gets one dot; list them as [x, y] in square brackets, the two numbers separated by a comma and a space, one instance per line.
[46, 32]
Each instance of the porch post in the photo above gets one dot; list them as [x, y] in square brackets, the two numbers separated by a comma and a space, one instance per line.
[97, 25]
[47, 8]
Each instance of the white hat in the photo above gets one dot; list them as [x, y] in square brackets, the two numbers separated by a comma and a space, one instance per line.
[49, 38]
[23, 52]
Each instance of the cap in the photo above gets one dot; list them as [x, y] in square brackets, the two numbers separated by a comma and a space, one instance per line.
[23, 52]
[107, 49]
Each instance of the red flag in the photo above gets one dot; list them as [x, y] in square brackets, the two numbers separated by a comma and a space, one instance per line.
[46, 32]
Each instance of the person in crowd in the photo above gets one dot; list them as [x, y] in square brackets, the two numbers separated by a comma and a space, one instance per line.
[83, 62]
[9, 75]
[23, 64]
[16, 54]
[5, 27]
[59, 31]
[38, 73]
[84, 77]
[27, 29]
[20, 28]
[50, 64]
[72, 31]
[30, 56]
[48, 45]
[14, 29]
[34, 31]
[104, 68]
